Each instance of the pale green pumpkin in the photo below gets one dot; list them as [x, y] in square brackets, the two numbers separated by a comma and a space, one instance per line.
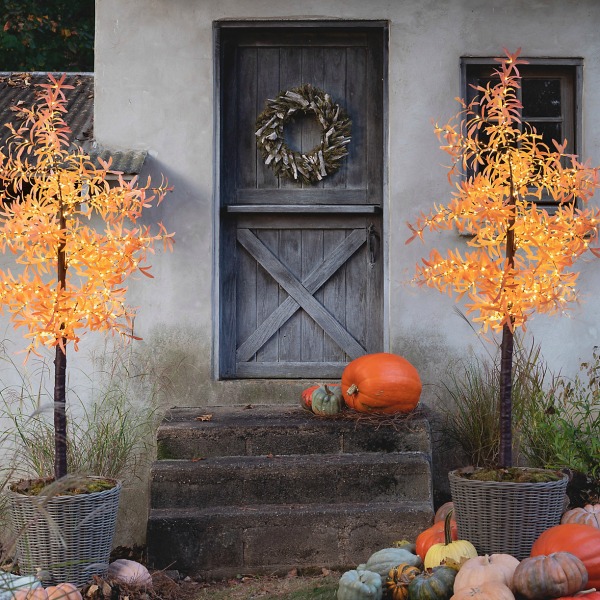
[383, 560]
[360, 585]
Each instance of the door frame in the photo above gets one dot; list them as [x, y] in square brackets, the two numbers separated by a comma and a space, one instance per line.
[244, 25]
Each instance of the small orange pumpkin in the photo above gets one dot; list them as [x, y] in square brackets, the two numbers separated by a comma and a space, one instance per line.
[588, 515]
[381, 383]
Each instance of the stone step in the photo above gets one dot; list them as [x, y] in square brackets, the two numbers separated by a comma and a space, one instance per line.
[289, 479]
[223, 542]
[281, 430]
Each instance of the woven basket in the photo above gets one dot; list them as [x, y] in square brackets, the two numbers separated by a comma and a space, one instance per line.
[505, 517]
[68, 538]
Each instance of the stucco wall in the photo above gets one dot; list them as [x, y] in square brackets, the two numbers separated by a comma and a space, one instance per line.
[155, 91]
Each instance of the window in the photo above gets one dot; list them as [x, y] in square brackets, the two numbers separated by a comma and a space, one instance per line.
[550, 93]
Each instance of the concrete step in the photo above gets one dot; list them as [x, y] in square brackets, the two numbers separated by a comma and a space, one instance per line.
[231, 540]
[281, 430]
[270, 488]
[289, 479]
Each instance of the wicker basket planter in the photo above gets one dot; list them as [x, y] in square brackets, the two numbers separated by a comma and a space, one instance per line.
[505, 517]
[65, 538]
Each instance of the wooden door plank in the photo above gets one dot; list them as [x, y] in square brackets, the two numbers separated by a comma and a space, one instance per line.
[245, 114]
[267, 86]
[290, 333]
[312, 257]
[338, 256]
[267, 299]
[334, 294]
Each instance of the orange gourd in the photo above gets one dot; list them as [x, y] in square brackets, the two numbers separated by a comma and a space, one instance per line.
[381, 383]
[581, 540]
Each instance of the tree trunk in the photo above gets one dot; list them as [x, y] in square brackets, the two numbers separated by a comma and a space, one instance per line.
[60, 362]
[506, 348]
[60, 414]
[506, 360]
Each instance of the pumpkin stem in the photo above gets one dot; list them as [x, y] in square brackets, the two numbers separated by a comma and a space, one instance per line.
[448, 528]
[353, 389]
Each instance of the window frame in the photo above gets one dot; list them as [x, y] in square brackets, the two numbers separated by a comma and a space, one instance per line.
[564, 68]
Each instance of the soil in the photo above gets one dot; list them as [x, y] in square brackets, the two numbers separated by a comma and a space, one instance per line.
[164, 587]
[512, 475]
[75, 486]
[171, 585]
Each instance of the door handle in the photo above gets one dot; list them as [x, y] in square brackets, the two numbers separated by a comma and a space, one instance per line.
[373, 243]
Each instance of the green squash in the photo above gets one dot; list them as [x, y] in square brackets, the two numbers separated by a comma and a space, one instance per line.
[383, 560]
[434, 584]
[327, 400]
[360, 585]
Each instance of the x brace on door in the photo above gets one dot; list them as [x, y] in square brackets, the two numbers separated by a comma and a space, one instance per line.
[300, 294]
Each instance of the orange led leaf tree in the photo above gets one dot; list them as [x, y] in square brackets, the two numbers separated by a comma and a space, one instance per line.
[75, 238]
[519, 255]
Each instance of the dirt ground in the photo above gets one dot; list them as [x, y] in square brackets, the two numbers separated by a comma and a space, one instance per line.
[291, 587]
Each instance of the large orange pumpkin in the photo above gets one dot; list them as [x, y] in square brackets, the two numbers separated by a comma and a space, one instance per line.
[581, 540]
[381, 383]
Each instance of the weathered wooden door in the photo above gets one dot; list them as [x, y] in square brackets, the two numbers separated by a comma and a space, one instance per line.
[301, 265]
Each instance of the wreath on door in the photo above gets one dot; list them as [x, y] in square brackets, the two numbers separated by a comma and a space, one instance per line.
[325, 158]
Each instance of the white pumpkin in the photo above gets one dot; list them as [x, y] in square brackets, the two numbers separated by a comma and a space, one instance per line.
[129, 572]
[476, 571]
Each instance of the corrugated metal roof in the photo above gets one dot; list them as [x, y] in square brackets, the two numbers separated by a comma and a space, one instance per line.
[20, 89]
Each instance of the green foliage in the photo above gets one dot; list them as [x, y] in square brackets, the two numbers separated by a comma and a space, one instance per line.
[556, 418]
[47, 35]
[473, 385]
[561, 428]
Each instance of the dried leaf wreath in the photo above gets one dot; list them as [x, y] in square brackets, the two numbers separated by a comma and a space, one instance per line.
[325, 158]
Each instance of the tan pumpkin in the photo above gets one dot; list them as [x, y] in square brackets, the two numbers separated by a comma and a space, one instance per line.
[443, 510]
[485, 591]
[494, 568]
[552, 576]
[63, 591]
[588, 515]
[398, 579]
[35, 594]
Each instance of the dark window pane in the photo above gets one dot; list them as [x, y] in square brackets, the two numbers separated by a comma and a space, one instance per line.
[549, 131]
[541, 98]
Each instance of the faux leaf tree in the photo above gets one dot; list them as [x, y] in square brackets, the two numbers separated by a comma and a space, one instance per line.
[520, 255]
[75, 238]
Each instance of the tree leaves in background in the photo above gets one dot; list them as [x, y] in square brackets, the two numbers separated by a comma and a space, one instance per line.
[47, 35]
